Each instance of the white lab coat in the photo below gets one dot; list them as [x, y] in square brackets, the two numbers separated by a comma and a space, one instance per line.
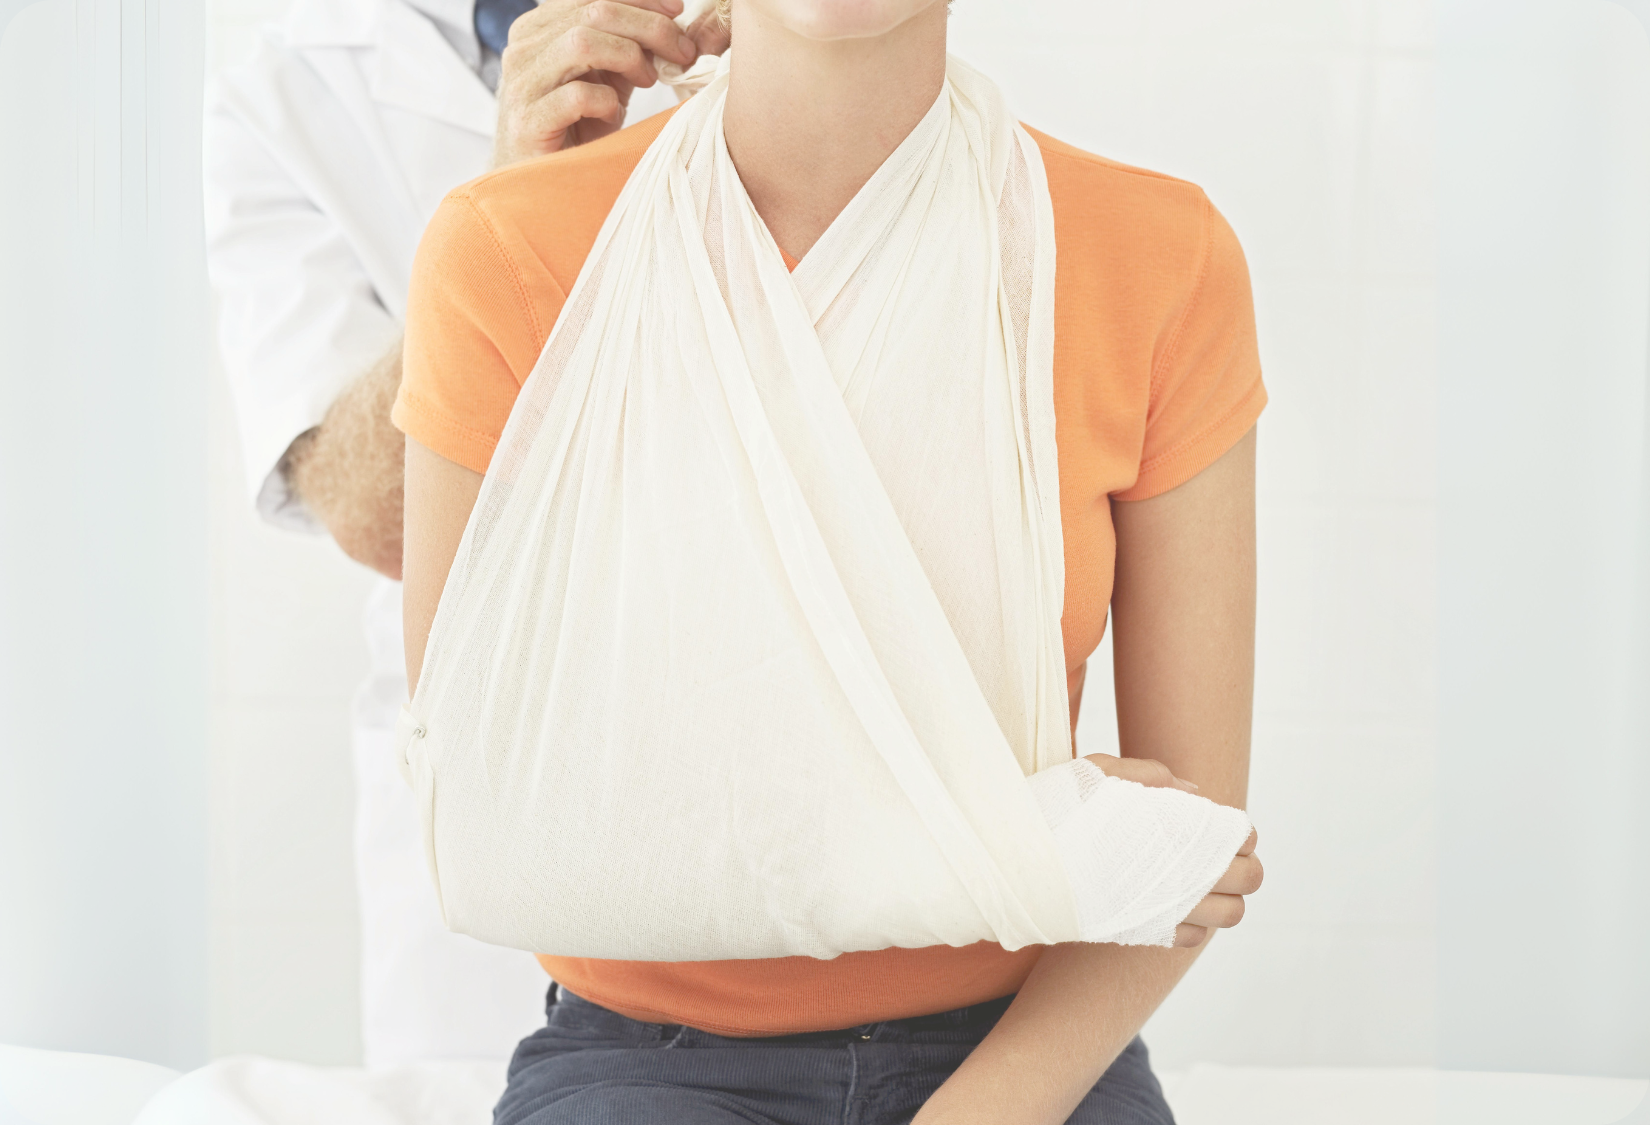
[325, 156]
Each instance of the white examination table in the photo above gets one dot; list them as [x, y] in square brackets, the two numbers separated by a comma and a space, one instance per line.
[54, 1088]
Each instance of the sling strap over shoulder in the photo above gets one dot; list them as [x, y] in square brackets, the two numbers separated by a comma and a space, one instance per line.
[752, 645]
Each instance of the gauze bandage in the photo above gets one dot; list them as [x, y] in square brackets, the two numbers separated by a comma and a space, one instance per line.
[751, 647]
[687, 81]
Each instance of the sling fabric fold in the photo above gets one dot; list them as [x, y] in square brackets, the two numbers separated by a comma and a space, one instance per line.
[753, 639]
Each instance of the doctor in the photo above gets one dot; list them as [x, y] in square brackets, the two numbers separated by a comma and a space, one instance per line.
[325, 156]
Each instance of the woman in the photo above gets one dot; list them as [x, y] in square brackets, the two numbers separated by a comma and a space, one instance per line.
[1156, 392]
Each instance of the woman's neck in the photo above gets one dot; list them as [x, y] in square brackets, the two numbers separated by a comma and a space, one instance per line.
[808, 121]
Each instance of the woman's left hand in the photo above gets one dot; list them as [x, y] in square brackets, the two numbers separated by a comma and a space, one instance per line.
[1223, 906]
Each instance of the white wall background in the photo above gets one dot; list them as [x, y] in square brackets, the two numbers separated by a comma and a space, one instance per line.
[1544, 571]
[287, 655]
[103, 604]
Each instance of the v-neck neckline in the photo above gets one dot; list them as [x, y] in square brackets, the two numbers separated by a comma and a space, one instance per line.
[837, 229]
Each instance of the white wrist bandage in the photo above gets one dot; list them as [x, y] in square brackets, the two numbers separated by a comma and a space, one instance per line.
[1138, 858]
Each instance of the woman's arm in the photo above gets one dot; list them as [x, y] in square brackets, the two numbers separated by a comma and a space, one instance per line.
[1183, 643]
[440, 494]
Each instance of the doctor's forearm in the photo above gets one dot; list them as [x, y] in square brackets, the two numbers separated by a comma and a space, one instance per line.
[348, 470]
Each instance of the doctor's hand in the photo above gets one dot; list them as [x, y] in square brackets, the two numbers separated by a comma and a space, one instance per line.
[570, 66]
[1223, 906]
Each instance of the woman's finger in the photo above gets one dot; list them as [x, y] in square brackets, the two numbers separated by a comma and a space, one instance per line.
[1145, 771]
[1186, 937]
[1243, 877]
[1217, 912]
[1248, 847]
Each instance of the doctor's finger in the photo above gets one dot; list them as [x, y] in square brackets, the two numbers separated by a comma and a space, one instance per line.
[583, 51]
[671, 8]
[653, 30]
[547, 125]
[539, 45]
[572, 103]
[530, 85]
[550, 18]
[709, 32]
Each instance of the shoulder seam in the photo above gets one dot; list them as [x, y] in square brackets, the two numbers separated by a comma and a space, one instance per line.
[1110, 165]
[440, 417]
[1205, 252]
[1174, 452]
[516, 281]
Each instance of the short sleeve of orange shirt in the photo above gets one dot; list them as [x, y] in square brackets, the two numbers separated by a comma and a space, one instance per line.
[1156, 374]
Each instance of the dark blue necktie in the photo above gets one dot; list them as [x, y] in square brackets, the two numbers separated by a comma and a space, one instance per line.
[493, 20]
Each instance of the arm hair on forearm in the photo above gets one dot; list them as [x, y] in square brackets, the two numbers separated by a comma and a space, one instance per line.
[349, 469]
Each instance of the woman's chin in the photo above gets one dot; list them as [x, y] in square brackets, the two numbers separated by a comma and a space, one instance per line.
[826, 20]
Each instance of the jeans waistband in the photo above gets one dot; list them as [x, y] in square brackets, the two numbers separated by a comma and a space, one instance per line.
[968, 1022]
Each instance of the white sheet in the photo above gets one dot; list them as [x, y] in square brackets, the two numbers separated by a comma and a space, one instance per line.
[63, 1088]
[1257, 1095]
[249, 1090]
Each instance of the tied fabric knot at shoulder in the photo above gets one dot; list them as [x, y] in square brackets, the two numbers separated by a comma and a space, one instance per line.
[752, 645]
[686, 81]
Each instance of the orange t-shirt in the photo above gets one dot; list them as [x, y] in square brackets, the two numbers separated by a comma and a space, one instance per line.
[1156, 374]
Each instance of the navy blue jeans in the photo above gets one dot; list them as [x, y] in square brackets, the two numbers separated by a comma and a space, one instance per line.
[592, 1066]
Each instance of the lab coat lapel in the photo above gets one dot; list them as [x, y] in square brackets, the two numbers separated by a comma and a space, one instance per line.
[327, 23]
[416, 69]
[422, 116]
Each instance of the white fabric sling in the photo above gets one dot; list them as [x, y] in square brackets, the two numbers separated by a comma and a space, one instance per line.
[753, 639]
